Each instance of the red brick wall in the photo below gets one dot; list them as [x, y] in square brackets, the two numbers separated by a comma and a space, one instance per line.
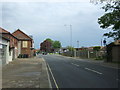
[116, 53]
[24, 37]
[13, 41]
[26, 50]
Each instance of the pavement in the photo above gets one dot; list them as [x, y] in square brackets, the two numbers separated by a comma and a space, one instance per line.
[68, 72]
[25, 73]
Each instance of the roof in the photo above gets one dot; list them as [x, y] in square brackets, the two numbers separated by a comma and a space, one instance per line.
[21, 35]
[4, 38]
[3, 30]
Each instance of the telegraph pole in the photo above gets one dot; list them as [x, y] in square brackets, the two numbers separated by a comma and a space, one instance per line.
[70, 33]
[70, 36]
[77, 44]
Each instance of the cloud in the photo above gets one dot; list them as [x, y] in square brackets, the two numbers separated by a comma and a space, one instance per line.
[45, 19]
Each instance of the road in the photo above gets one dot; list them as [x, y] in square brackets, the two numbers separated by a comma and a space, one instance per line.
[70, 73]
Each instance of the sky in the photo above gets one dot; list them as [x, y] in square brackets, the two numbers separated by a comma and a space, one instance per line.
[48, 19]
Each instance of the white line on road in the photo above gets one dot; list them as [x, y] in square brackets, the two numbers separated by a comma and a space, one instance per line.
[50, 86]
[75, 64]
[53, 77]
[93, 71]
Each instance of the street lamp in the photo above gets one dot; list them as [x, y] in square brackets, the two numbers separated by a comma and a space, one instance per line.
[104, 41]
[105, 54]
[77, 44]
[70, 33]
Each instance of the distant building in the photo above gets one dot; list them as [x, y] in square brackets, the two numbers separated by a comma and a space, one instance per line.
[63, 49]
[25, 43]
[46, 46]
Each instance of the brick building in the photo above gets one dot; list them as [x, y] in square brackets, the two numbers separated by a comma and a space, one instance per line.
[4, 50]
[46, 46]
[25, 43]
[113, 51]
[13, 44]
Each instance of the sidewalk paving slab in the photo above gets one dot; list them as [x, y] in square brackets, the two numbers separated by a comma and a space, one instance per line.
[25, 73]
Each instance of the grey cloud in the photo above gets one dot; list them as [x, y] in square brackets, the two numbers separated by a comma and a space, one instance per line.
[44, 20]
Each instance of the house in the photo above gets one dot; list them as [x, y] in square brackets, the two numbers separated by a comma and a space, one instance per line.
[4, 50]
[13, 44]
[46, 46]
[25, 44]
[113, 51]
[117, 42]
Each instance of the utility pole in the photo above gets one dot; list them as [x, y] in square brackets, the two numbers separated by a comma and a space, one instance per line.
[77, 44]
[70, 33]
[70, 36]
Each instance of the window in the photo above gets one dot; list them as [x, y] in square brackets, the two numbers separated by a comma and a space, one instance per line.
[24, 44]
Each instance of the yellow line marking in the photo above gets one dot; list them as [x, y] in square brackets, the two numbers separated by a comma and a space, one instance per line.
[53, 77]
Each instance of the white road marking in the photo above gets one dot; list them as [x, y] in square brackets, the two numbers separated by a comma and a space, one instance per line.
[93, 71]
[75, 64]
[47, 73]
[53, 77]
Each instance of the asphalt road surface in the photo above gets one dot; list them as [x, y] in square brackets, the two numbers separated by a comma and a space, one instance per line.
[70, 73]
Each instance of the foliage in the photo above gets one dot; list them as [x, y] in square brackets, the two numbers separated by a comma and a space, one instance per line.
[96, 48]
[48, 39]
[56, 44]
[99, 58]
[38, 52]
[70, 48]
[111, 19]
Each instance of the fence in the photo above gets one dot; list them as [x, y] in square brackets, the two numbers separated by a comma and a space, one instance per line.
[86, 54]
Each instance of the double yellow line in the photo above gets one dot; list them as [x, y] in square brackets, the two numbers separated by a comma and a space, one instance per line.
[53, 77]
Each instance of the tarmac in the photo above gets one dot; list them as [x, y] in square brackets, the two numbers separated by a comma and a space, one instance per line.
[26, 73]
[101, 62]
[33, 73]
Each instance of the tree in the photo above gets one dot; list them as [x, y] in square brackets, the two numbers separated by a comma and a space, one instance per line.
[111, 19]
[48, 45]
[70, 48]
[48, 39]
[96, 48]
[56, 44]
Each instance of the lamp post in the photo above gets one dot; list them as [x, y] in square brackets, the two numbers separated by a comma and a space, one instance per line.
[78, 44]
[104, 41]
[105, 54]
[70, 35]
